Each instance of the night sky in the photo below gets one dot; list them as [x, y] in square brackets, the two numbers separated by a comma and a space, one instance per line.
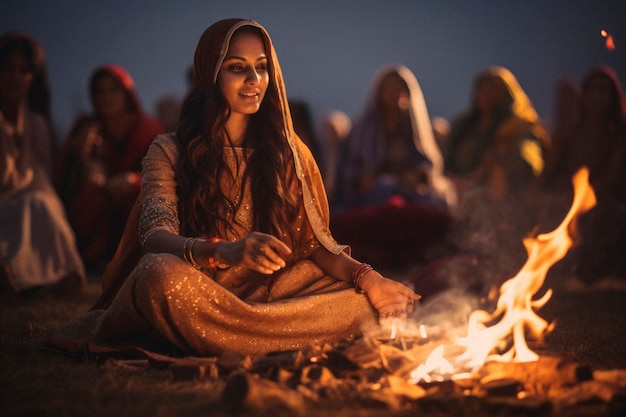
[329, 49]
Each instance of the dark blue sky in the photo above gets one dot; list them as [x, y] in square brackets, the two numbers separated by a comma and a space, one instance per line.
[328, 49]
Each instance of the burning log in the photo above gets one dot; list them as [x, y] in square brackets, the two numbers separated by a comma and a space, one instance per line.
[543, 377]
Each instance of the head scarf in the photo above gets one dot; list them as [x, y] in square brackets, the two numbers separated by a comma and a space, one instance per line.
[210, 53]
[39, 93]
[517, 118]
[205, 69]
[123, 78]
[521, 106]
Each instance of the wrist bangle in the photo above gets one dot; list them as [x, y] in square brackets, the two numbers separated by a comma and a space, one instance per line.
[213, 242]
[358, 273]
[185, 250]
[188, 251]
[191, 259]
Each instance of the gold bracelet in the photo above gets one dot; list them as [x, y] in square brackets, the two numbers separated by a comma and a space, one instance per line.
[192, 261]
[186, 249]
[358, 273]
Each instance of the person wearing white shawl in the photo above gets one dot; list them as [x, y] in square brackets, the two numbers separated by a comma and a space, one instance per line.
[390, 176]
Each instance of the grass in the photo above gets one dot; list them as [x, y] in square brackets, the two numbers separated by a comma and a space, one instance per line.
[590, 325]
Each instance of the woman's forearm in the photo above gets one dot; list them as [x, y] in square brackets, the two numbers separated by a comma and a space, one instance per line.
[162, 241]
[339, 266]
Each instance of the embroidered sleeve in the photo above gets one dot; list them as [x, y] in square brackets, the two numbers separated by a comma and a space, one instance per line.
[158, 198]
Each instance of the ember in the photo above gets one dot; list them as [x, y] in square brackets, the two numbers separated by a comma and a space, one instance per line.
[610, 43]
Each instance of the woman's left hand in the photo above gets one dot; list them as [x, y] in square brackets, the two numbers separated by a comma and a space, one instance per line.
[258, 251]
[390, 298]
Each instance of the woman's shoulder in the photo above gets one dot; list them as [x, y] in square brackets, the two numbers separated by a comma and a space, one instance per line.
[165, 143]
[166, 140]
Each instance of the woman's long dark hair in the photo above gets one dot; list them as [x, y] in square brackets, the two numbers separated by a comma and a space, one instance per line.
[201, 136]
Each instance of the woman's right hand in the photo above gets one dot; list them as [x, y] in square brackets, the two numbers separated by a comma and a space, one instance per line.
[258, 251]
[389, 297]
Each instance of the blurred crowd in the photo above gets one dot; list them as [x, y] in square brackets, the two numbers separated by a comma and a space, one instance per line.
[407, 191]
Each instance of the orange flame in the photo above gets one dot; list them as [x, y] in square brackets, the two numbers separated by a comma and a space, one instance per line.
[515, 307]
[434, 362]
[514, 314]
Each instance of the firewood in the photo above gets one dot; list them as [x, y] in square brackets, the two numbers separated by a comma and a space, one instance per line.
[399, 386]
[587, 392]
[316, 374]
[540, 376]
[245, 391]
[615, 376]
[194, 369]
[502, 387]
[513, 406]
[290, 360]
[232, 361]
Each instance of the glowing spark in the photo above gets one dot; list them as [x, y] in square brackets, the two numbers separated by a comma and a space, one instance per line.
[610, 43]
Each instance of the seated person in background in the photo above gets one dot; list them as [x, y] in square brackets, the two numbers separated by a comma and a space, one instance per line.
[37, 245]
[99, 166]
[391, 201]
[596, 140]
[335, 126]
[494, 153]
[498, 144]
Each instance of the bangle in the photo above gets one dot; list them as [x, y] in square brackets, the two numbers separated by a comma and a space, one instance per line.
[188, 251]
[358, 273]
[213, 242]
[185, 249]
[191, 259]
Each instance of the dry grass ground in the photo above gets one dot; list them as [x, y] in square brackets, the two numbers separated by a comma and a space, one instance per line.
[36, 382]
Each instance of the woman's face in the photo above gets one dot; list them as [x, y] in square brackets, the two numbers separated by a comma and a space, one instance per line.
[243, 78]
[109, 98]
[491, 94]
[393, 93]
[16, 77]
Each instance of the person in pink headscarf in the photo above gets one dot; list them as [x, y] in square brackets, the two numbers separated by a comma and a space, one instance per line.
[99, 166]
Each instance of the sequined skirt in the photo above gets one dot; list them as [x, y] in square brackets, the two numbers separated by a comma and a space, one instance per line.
[166, 301]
